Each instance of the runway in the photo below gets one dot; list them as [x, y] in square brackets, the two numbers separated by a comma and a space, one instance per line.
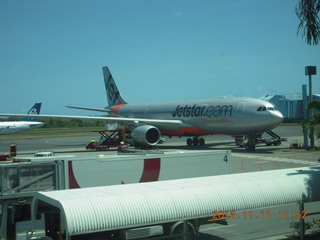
[264, 158]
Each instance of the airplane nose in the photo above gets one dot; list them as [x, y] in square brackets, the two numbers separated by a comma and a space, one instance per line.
[277, 118]
[36, 124]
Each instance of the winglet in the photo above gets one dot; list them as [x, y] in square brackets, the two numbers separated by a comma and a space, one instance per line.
[113, 95]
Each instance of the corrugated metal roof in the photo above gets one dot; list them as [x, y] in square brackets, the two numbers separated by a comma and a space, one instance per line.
[122, 206]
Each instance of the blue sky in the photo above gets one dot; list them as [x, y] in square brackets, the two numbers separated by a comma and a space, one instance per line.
[52, 51]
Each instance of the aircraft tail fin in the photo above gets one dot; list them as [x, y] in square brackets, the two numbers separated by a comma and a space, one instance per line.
[35, 109]
[113, 95]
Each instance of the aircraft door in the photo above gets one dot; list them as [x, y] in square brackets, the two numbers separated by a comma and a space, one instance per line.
[240, 109]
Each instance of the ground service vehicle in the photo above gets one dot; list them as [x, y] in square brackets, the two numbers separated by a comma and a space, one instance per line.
[44, 154]
[22, 177]
[97, 146]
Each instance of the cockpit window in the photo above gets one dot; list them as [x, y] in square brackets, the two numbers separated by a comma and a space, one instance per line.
[260, 109]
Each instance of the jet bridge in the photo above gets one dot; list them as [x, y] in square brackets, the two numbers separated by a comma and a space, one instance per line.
[23, 177]
[18, 180]
[116, 212]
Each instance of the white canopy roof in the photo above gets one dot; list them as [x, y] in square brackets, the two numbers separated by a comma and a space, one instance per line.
[122, 206]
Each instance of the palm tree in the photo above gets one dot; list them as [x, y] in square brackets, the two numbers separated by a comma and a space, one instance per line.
[313, 121]
[308, 14]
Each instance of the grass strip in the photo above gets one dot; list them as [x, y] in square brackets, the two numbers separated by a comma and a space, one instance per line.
[52, 132]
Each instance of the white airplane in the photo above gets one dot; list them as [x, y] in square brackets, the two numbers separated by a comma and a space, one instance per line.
[19, 126]
[146, 123]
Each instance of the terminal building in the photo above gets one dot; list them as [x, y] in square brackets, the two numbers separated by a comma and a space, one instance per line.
[292, 106]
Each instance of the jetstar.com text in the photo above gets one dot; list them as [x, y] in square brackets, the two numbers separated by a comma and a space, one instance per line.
[203, 111]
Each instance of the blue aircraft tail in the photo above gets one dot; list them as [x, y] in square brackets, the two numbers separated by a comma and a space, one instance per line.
[35, 110]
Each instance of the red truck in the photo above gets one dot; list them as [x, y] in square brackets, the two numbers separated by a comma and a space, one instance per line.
[97, 146]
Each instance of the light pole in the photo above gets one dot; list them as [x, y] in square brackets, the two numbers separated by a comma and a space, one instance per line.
[311, 70]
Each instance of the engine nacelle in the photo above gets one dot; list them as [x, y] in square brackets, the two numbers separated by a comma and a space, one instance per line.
[146, 135]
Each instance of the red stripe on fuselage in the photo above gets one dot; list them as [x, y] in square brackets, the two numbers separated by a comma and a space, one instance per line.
[116, 108]
[189, 131]
[151, 170]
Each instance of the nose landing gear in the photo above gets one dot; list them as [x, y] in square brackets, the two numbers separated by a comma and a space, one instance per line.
[251, 140]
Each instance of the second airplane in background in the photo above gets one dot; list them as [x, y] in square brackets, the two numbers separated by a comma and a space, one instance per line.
[20, 126]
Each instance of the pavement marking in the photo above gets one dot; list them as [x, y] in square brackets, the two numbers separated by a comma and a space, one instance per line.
[280, 159]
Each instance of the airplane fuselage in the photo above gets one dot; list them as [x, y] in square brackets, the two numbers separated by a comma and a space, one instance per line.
[18, 126]
[230, 116]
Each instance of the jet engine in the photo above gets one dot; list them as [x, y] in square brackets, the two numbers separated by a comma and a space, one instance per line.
[146, 135]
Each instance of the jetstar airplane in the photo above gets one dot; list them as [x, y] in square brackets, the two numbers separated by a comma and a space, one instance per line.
[19, 126]
[146, 123]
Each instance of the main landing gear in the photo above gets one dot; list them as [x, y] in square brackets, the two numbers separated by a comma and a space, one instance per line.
[195, 141]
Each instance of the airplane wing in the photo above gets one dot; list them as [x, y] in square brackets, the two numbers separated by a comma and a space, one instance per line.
[90, 109]
[122, 120]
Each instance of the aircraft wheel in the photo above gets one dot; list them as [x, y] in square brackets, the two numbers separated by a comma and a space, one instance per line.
[189, 142]
[195, 141]
[250, 147]
[201, 141]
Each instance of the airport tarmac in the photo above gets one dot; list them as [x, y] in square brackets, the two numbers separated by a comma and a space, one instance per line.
[262, 159]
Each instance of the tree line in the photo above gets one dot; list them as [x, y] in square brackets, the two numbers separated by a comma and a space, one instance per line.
[73, 123]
